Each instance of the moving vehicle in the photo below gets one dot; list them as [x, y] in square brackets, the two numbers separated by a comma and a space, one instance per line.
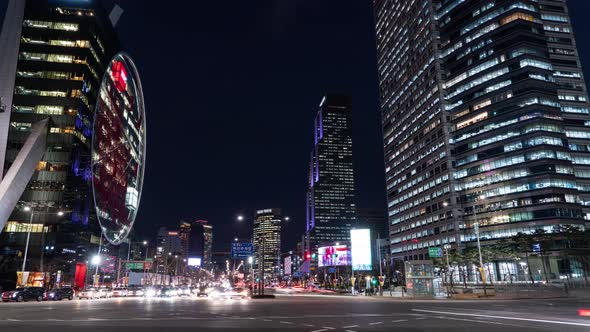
[168, 292]
[183, 291]
[88, 293]
[58, 294]
[105, 292]
[135, 291]
[232, 293]
[24, 294]
[120, 292]
[152, 291]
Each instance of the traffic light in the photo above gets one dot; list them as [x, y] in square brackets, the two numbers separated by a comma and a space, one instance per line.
[374, 281]
[307, 255]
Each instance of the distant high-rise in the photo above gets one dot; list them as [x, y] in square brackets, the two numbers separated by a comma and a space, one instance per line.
[330, 196]
[184, 232]
[267, 242]
[200, 243]
[485, 120]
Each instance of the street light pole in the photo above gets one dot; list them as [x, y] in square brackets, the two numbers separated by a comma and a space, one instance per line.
[28, 240]
[98, 261]
[476, 228]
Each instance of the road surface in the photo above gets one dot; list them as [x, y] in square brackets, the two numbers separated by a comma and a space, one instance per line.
[294, 313]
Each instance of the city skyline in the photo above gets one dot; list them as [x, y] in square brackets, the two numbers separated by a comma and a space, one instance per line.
[312, 165]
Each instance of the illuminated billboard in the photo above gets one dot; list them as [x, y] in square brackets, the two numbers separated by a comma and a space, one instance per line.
[334, 256]
[360, 240]
[288, 266]
[118, 148]
[194, 261]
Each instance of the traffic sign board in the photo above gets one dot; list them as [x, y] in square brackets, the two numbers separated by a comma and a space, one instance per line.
[434, 252]
[381, 280]
[241, 250]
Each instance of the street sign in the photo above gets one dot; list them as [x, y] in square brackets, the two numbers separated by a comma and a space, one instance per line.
[536, 247]
[241, 250]
[434, 252]
[352, 280]
[381, 280]
[332, 270]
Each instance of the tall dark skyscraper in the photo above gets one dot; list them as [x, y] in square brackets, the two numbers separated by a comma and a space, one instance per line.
[63, 48]
[330, 197]
[485, 119]
[200, 241]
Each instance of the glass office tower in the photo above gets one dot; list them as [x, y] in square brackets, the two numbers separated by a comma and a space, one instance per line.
[267, 242]
[331, 208]
[62, 54]
[485, 119]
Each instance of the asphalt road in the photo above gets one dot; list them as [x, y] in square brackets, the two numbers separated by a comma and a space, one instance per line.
[294, 313]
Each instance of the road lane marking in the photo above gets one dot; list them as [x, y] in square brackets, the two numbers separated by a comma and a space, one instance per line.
[328, 327]
[349, 326]
[470, 320]
[308, 325]
[376, 323]
[399, 320]
[13, 320]
[505, 317]
[421, 318]
[283, 322]
[267, 320]
[349, 331]
[321, 330]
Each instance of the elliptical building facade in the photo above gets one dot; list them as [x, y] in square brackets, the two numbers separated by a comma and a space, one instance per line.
[485, 120]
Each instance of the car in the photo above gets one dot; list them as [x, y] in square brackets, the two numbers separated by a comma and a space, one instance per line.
[184, 291]
[105, 292]
[203, 291]
[58, 294]
[89, 293]
[120, 292]
[231, 293]
[153, 291]
[135, 291]
[168, 292]
[24, 294]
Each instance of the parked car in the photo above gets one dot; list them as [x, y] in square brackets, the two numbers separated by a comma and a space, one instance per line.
[120, 292]
[88, 293]
[24, 294]
[58, 294]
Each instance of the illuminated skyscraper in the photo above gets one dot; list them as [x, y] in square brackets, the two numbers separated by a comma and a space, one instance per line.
[267, 242]
[61, 50]
[485, 120]
[330, 197]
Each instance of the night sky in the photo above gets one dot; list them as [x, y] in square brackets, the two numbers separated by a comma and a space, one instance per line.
[232, 88]
[231, 91]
